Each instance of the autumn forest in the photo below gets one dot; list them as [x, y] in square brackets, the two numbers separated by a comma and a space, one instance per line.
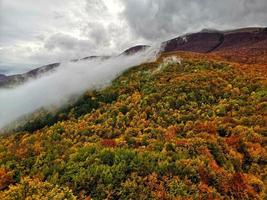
[187, 126]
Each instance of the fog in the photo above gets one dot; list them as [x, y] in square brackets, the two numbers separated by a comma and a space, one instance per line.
[71, 78]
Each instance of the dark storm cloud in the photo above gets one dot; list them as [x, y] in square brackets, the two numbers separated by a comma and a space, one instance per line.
[156, 19]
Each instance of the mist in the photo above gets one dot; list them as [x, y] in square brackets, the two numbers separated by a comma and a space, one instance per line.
[71, 78]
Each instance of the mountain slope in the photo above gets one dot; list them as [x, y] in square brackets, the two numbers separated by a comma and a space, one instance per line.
[188, 126]
[214, 41]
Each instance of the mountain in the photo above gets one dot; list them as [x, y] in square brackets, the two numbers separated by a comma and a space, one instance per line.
[213, 41]
[6, 81]
[202, 42]
[190, 125]
[2, 77]
[134, 49]
[244, 44]
[13, 80]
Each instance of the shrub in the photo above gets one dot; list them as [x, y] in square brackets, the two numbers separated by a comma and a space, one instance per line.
[35, 189]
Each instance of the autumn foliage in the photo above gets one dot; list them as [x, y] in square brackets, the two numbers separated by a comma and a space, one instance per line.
[191, 129]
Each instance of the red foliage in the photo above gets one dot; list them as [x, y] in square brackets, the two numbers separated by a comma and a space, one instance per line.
[108, 143]
[233, 140]
[237, 186]
[213, 164]
[228, 120]
[182, 143]
[208, 127]
[209, 194]
[171, 132]
[5, 178]
[156, 186]
[203, 175]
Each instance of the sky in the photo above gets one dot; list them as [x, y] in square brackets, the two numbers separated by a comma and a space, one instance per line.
[38, 32]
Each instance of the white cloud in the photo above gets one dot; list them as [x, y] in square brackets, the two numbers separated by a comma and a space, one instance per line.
[68, 80]
[36, 33]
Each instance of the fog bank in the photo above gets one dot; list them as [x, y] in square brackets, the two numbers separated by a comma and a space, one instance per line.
[71, 78]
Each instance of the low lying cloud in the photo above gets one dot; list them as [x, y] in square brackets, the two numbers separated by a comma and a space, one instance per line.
[69, 79]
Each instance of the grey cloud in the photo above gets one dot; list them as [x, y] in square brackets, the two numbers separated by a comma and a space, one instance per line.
[157, 19]
[56, 30]
[65, 43]
[57, 15]
[22, 20]
[96, 9]
[97, 33]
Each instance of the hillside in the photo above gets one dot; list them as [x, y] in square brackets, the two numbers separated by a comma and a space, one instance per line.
[188, 126]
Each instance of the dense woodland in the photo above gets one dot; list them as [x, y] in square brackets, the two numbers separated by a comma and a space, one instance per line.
[172, 129]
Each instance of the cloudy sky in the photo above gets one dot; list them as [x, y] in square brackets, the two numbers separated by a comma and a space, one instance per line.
[37, 32]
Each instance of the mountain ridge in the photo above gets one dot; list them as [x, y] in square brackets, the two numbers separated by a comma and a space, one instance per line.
[206, 41]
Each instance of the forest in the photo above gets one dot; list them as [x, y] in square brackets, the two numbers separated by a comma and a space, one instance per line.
[182, 127]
